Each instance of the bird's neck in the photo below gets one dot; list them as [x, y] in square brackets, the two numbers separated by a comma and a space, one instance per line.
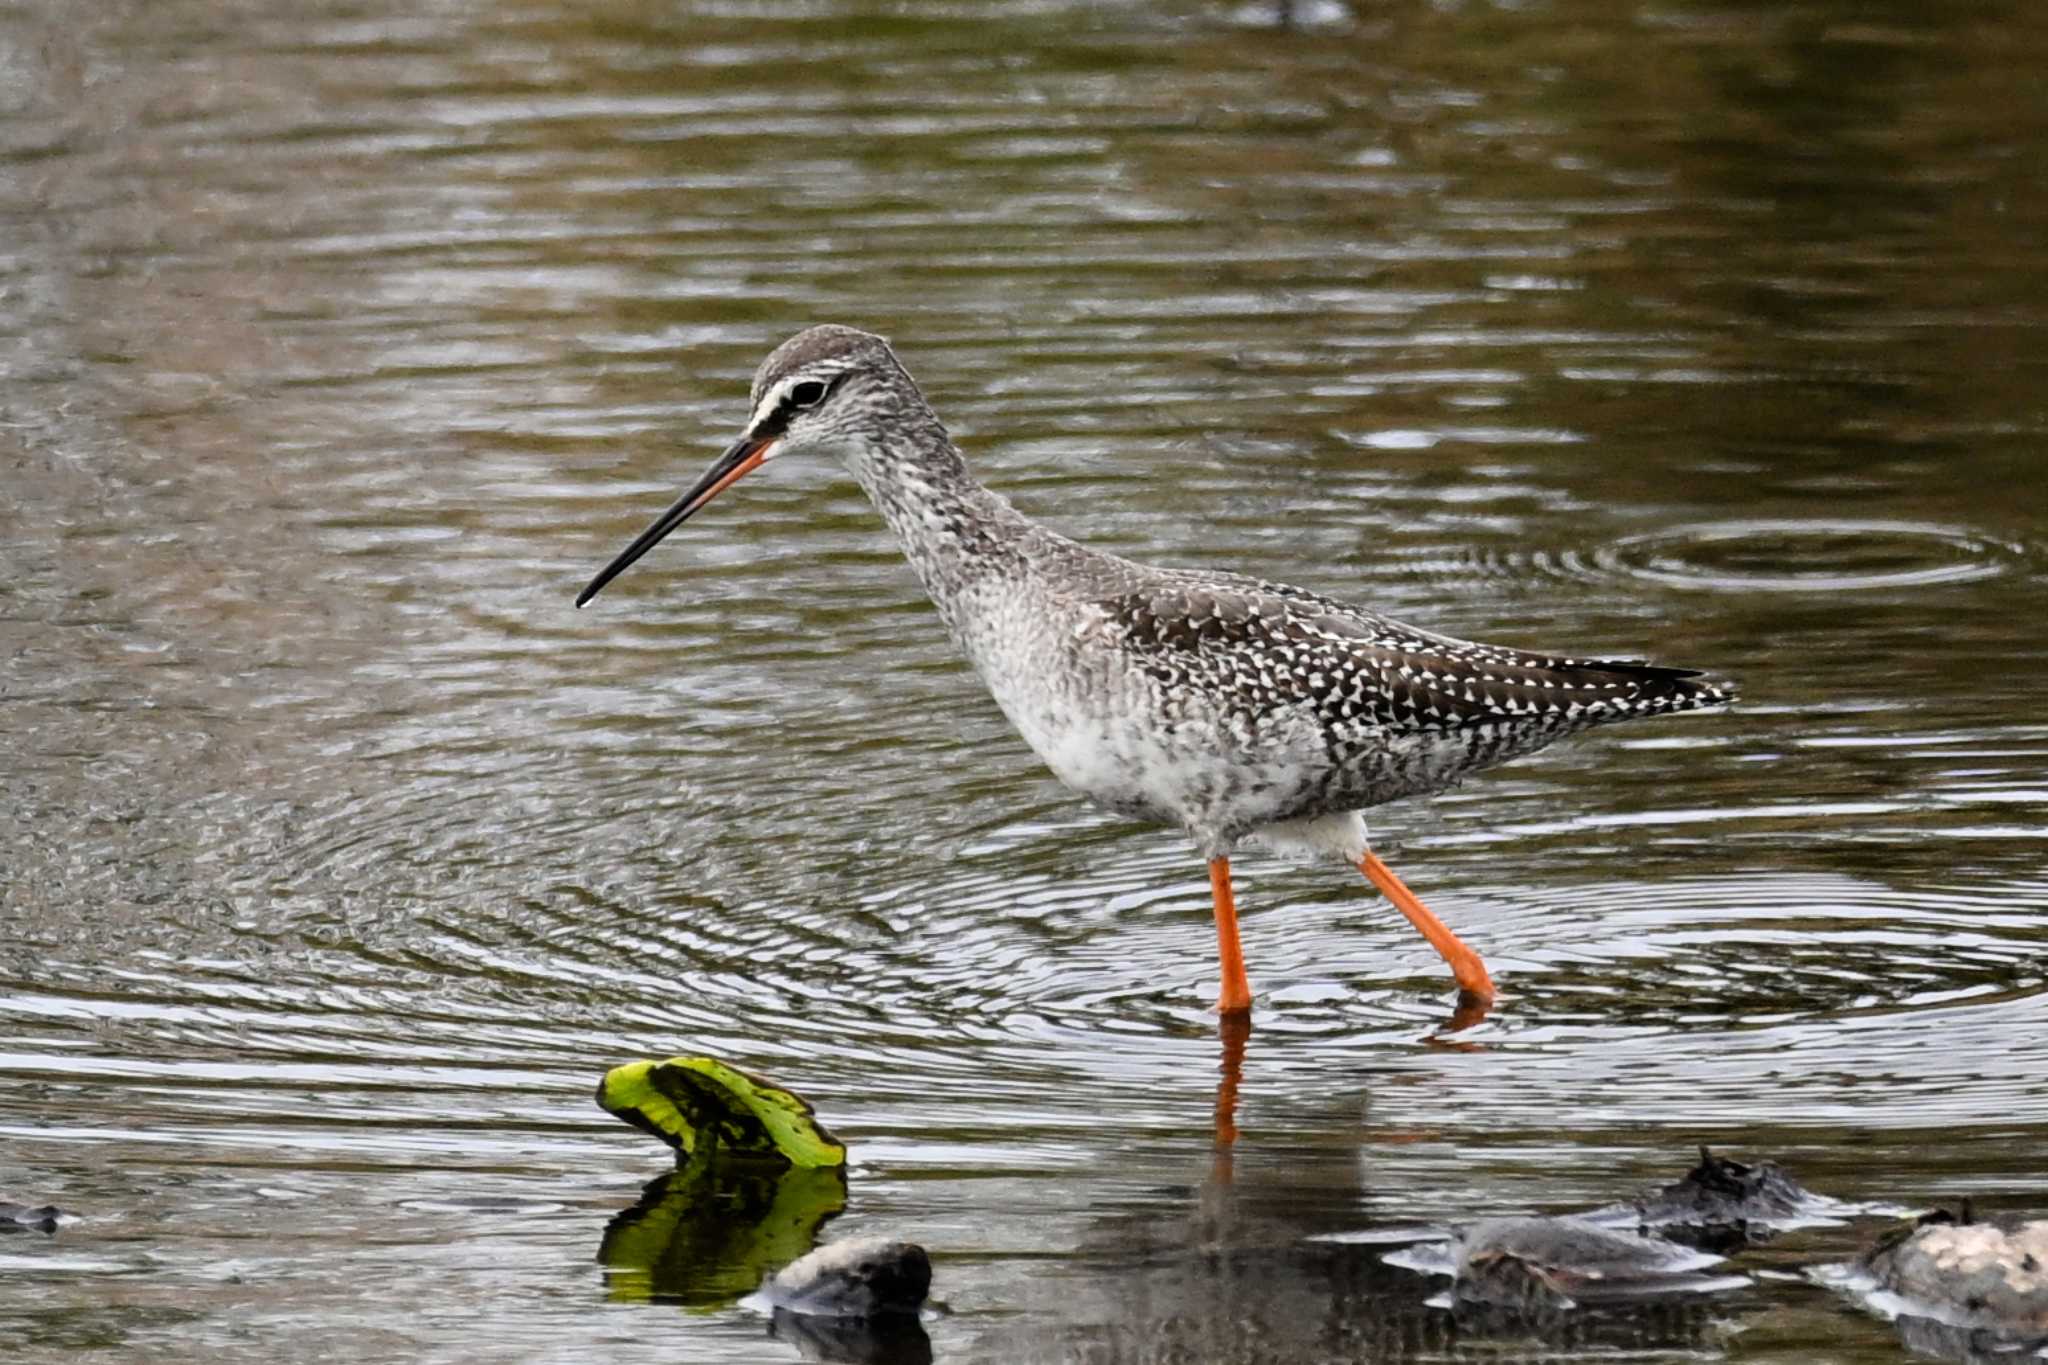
[957, 534]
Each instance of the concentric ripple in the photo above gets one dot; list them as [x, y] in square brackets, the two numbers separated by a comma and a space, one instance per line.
[1808, 555]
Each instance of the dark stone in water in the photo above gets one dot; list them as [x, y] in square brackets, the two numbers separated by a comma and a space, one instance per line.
[861, 1277]
[1982, 1286]
[22, 1218]
[1723, 1206]
[1536, 1264]
[1625, 1258]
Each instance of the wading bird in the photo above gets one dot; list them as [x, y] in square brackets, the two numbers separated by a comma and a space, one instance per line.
[1231, 707]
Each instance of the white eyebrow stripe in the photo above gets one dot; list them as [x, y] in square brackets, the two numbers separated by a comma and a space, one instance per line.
[770, 401]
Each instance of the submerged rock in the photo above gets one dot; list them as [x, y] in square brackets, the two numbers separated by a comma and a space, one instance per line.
[1975, 1278]
[1552, 1263]
[861, 1277]
[22, 1218]
[1722, 1205]
[1627, 1260]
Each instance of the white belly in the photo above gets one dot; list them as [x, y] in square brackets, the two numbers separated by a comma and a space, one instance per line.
[1200, 776]
[1109, 764]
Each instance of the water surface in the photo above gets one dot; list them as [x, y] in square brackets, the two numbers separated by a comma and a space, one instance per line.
[338, 855]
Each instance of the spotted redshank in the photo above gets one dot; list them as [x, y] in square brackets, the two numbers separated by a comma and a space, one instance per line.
[1234, 708]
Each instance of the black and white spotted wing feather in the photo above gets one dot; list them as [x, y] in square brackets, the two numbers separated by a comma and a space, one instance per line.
[1269, 646]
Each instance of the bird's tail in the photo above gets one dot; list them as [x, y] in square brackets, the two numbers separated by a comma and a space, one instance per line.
[1654, 690]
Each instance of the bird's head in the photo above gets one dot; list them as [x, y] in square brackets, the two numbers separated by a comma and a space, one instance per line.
[827, 390]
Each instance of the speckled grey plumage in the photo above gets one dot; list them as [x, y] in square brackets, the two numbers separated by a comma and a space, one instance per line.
[1224, 704]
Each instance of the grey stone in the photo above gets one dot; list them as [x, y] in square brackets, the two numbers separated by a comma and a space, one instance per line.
[858, 1278]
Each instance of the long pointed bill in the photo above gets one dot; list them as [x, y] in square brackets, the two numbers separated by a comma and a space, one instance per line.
[743, 456]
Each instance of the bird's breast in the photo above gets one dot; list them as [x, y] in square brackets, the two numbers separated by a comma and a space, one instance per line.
[1113, 733]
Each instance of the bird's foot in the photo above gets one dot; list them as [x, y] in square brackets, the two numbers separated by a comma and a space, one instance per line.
[1470, 1009]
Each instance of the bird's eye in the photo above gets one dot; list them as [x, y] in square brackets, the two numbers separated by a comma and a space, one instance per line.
[807, 394]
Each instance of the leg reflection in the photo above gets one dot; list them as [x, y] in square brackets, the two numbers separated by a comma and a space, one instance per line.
[1234, 1030]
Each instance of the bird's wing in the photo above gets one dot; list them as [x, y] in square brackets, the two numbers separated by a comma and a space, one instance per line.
[1268, 645]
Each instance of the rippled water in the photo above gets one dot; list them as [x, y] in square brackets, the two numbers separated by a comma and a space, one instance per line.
[338, 855]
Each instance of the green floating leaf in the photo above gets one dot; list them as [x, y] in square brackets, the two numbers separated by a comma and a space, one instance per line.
[704, 1108]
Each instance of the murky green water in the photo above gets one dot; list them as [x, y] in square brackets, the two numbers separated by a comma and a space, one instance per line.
[338, 855]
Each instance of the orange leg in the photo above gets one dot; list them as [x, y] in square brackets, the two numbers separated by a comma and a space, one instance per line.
[1236, 996]
[1465, 964]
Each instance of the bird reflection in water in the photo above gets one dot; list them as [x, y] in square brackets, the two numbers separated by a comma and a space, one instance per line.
[1234, 1032]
